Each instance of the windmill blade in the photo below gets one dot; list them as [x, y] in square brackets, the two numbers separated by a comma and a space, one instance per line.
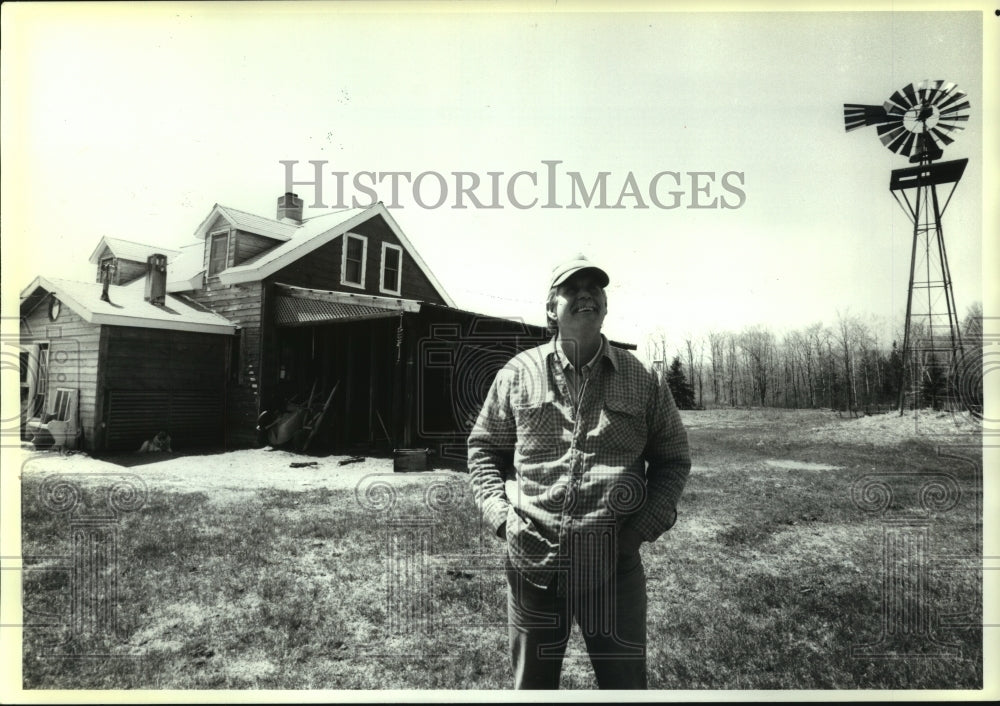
[890, 138]
[894, 139]
[947, 95]
[888, 132]
[953, 123]
[910, 91]
[897, 104]
[949, 127]
[898, 143]
[856, 115]
[941, 137]
[952, 103]
[923, 90]
[936, 87]
[953, 111]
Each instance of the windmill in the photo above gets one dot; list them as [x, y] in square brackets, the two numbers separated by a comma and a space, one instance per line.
[919, 121]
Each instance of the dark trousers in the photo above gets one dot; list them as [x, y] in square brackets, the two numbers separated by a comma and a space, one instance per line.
[612, 620]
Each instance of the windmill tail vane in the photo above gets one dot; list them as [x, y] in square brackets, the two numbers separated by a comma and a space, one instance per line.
[918, 121]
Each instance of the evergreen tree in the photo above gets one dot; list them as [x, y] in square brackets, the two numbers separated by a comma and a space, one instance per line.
[893, 376]
[679, 387]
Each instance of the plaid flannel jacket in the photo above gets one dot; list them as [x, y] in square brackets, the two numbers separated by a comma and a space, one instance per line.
[565, 477]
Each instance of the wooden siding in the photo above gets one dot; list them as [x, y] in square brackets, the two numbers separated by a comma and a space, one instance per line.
[250, 245]
[129, 271]
[158, 359]
[125, 270]
[358, 350]
[241, 304]
[320, 269]
[73, 356]
[154, 380]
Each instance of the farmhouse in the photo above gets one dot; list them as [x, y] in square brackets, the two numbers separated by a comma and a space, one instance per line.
[336, 311]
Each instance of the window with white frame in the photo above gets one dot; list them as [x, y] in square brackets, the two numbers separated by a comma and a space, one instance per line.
[392, 269]
[352, 267]
[218, 254]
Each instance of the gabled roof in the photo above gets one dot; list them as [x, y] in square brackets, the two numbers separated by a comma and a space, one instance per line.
[247, 222]
[130, 250]
[126, 308]
[316, 232]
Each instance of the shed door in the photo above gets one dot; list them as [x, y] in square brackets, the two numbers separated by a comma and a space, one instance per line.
[191, 417]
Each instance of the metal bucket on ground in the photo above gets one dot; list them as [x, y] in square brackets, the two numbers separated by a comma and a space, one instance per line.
[407, 460]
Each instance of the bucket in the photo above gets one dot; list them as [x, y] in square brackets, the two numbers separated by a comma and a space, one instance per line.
[406, 460]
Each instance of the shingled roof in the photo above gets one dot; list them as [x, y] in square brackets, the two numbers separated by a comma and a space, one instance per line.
[127, 306]
[130, 250]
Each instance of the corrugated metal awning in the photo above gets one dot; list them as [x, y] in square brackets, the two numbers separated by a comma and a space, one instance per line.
[296, 311]
[300, 306]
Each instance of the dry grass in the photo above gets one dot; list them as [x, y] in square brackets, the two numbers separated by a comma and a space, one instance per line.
[770, 578]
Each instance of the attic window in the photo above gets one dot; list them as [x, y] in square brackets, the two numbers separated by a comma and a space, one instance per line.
[392, 262]
[353, 266]
[217, 258]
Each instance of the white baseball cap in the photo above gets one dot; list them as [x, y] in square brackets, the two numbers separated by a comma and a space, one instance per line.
[564, 271]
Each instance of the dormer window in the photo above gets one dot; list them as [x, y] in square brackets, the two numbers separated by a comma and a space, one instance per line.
[219, 252]
[391, 271]
[353, 266]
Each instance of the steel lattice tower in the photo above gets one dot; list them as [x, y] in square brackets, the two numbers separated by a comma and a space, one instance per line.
[932, 339]
[918, 122]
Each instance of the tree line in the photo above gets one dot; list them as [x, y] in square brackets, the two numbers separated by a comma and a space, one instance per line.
[848, 366]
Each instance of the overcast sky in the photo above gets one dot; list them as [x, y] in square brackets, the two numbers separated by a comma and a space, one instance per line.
[133, 122]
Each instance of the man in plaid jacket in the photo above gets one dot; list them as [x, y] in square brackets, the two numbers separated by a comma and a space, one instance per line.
[577, 457]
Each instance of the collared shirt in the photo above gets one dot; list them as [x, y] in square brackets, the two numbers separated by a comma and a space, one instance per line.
[576, 379]
[565, 477]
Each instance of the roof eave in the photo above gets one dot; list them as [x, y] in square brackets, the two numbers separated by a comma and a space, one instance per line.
[186, 285]
[85, 313]
[398, 304]
[202, 230]
[139, 322]
[97, 251]
[239, 275]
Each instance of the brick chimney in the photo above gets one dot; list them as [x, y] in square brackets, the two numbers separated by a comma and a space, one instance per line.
[290, 208]
[156, 279]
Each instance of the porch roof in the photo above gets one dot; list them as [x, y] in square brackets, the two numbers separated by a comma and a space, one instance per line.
[300, 306]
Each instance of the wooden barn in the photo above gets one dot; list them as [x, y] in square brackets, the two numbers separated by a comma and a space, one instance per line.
[343, 299]
[264, 315]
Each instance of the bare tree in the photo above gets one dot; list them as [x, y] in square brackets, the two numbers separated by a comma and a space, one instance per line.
[757, 343]
[715, 346]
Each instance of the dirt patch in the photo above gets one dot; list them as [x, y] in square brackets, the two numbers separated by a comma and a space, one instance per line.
[892, 428]
[824, 425]
[236, 475]
[736, 418]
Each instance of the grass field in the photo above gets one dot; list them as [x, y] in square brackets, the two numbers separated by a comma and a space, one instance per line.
[772, 579]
